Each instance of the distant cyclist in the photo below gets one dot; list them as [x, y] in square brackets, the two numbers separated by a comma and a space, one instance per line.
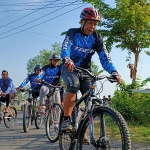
[31, 78]
[8, 91]
[51, 74]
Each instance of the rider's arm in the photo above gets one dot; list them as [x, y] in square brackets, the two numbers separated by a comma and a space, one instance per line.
[24, 83]
[10, 86]
[104, 56]
[41, 74]
[66, 46]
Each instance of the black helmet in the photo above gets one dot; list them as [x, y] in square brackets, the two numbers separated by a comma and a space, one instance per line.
[37, 67]
[54, 57]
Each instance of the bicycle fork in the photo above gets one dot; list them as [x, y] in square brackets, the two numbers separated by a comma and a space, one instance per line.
[102, 141]
[90, 116]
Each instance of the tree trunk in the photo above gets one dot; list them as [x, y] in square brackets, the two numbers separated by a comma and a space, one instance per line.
[136, 55]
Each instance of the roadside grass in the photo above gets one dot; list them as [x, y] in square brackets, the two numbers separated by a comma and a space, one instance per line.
[140, 134]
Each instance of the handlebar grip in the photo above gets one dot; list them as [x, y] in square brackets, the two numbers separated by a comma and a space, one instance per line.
[22, 90]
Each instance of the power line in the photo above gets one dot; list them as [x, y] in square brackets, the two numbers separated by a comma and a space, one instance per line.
[43, 22]
[36, 8]
[38, 18]
[39, 33]
[33, 4]
[11, 15]
[27, 14]
[25, 3]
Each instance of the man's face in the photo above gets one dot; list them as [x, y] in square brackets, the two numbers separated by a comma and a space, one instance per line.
[4, 75]
[37, 71]
[54, 62]
[90, 26]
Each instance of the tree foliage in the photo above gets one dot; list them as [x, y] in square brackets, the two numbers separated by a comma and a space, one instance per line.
[127, 25]
[43, 59]
[133, 106]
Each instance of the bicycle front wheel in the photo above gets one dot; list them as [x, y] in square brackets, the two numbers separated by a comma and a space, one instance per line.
[10, 117]
[52, 122]
[27, 117]
[110, 131]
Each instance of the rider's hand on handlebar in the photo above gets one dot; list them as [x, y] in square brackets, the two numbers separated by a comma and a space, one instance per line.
[117, 77]
[3, 94]
[69, 64]
[37, 80]
[18, 88]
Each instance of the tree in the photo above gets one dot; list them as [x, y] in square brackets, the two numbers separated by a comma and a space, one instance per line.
[127, 25]
[43, 57]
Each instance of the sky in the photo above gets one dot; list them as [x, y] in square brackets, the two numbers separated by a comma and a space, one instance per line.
[17, 48]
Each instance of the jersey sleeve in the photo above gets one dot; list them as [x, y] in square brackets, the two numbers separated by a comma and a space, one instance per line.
[10, 86]
[24, 83]
[42, 74]
[104, 56]
[67, 43]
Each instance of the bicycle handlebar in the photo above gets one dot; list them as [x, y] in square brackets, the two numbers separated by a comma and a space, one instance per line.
[96, 78]
[23, 90]
[53, 86]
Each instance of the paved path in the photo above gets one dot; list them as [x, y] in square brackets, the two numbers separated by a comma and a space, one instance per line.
[15, 138]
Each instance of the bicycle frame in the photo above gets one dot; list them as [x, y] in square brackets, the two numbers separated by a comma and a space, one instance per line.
[88, 110]
[2, 116]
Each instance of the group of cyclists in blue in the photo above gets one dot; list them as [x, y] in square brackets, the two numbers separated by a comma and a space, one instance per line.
[78, 48]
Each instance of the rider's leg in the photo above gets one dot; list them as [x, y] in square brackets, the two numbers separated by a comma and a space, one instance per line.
[8, 99]
[57, 111]
[71, 79]
[84, 87]
[44, 90]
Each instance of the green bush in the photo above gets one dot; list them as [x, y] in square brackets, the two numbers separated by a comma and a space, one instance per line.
[135, 107]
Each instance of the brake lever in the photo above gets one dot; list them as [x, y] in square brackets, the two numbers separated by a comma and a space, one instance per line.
[112, 79]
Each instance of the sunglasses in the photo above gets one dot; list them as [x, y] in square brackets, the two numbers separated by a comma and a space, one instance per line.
[56, 60]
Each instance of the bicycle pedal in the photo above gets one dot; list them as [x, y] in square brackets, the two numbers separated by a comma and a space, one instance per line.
[86, 143]
[67, 131]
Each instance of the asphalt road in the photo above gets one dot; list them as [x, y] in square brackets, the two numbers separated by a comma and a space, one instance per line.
[15, 139]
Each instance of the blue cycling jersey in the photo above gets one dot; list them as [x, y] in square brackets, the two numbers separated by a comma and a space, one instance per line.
[52, 74]
[31, 78]
[7, 86]
[80, 48]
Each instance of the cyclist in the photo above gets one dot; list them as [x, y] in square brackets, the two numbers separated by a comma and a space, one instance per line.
[77, 49]
[105, 100]
[31, 78]
[51, 74]
[7, 88]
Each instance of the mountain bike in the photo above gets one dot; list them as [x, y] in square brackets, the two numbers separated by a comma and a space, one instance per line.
[103, 125]
[53, 113]
[8, 118]
[30, 110]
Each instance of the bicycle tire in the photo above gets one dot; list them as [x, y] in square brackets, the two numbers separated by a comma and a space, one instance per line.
[49, 123]
[39, 119]
[26, 117]
[120, 122]
[12, 114]
[73, 142]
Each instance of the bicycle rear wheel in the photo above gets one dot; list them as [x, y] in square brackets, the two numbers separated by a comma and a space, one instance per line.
[10, 117]
[27, 117]
[116, 137]
[53, 121]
